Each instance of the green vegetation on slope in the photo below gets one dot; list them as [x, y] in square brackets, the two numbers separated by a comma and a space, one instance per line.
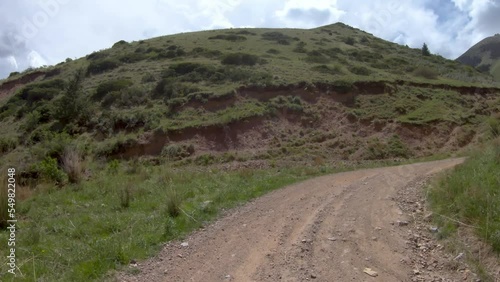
[485, 56]
[471, 194]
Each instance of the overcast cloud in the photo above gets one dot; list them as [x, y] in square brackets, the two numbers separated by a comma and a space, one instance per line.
[45, 32]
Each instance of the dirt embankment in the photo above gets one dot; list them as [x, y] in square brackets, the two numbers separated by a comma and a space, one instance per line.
[331, 228]
[9, 87]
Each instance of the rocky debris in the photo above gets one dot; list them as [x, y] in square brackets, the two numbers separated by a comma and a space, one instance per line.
[370, 272]
[185, 244]
[429, 260]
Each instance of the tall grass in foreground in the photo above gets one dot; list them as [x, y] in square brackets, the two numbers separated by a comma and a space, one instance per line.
[471, 194]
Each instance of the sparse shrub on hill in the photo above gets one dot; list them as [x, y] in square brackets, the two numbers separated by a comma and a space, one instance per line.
[175, 152]
[207, 53]
[133, 58]
[334, 70]
[494, 127]
[14, 73]
[360, 70]
[277, 37]
[229, 37]
[42, 91]
[50, 171]
[168, 88]
[97, 55]
[316, 57]
[425, 72]
[120, 43]
[7, 144]
[364, 56]
[300, 48]
[73, 107]
[287, 102]
[100, 66]
[241, 59]
[349, 40]
[273, 51]
[148, 77]
[425, 50]
[342, 86]
[110, 86]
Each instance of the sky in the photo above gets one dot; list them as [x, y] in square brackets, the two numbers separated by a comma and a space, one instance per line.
[34, 33]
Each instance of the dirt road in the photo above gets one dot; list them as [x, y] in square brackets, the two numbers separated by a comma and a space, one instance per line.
[326, 229]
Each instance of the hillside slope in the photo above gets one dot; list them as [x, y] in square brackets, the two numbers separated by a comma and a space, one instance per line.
[245, 94]
[484, 56]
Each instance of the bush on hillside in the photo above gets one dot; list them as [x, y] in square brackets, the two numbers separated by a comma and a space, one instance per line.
[229, 37]
[334, 70]
[277, 37]
[103, 65]
[360, 70]
[73, 107]
[168, 88]
[42, 91]
[241, 59]
[110, 86]
[425, 72]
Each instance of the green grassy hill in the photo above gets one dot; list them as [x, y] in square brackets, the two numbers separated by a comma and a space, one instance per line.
[484, 56]
[163, 131]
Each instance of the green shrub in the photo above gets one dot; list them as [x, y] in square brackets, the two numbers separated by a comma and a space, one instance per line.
[168, 88]
[349, 40]
[342, 86]
[100, 66]
[273, 51]
[31, 121]
[175, 152]
[73, 107]
[173, 202]
[397, 148]
[277, 37]
[148, 77]
[7, 144]
[229, 37]
[317, 57]
[49, 170]
[14, 73]
[360, 70]
[425, 72]
[42, 91]
[240, 59]
[292, 103]
[133, 58]
[120, 43]
[300, 48]
[494, 127]
[335, 70]
[110, 86]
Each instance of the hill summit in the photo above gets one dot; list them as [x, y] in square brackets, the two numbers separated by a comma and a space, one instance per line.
[485, 56]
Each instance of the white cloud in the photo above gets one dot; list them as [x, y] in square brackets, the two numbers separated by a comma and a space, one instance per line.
[76, 28]
[13, 62]
[307, 14]
[35, 60]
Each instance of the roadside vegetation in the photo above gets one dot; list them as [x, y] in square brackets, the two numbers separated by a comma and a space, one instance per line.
[470, 194]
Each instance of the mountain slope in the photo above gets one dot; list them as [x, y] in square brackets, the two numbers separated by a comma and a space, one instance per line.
[484, 56]
[246, 94]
